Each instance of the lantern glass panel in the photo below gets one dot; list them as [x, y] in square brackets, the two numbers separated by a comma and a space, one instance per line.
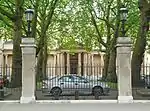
[29, 14]
[124, 16]
[123, 13]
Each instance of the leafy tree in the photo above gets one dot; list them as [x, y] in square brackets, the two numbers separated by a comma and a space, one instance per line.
[13, 12]
[140, 43]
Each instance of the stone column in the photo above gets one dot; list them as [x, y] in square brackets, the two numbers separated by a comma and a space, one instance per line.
[89, 64]
[28, 70]
[6, 65]
[79, 63]
[102, 63]
[124, 70]
[1, 52]
[85, 64]
[1, 57]
[58, 64]
[6, 59]
[68, 63]
[92, 60]
[61, 63]
[102, 60]
[54, 65]
[1, 62]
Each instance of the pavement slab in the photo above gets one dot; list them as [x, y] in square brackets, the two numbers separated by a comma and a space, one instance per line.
[74, 107]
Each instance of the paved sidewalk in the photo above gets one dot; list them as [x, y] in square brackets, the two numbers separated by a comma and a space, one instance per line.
[74, 107]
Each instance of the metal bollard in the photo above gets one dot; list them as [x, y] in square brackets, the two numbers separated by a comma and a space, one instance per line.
[1, 92]
[96, 96]
[76, 95]
[56, 97]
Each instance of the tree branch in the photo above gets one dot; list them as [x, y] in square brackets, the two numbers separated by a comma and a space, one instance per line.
[50, 14]
[97, 30]
[5, 21]
[7, 14]
[9, 6]
[107, 23]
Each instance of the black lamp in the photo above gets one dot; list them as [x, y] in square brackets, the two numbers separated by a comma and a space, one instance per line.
[29, 16]
[123, 18]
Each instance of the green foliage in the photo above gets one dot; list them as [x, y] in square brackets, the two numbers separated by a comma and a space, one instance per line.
[71, 23]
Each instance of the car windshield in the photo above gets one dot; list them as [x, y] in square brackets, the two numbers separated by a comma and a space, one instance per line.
[66, 79]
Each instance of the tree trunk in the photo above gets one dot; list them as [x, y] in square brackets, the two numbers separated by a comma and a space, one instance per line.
[138, 53]
[39, 72]
[17, 58]
[139, 49]
[42, 47]
[106, 64]
[111, 62]
[111, 76]
[42, 63]
[45, 55]
[40, 59]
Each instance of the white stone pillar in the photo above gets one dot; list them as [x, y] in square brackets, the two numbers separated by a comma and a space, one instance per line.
[68, 63]
[6, 60]
[1, 62]
[54, 65]
[85, 64]
[89, 64]
[92, 60]
[102, 63]
[79, 63]
[1, 57]
[58, 59]
[102, 60]
[58, 64]
[6, 65]
[28, 70]
[124, 70]
[61, 63]
[1, 53]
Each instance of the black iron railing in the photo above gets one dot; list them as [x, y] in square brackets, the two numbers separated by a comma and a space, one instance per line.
[75, 84]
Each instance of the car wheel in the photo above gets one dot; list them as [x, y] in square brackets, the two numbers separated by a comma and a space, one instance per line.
[97, 91]
[56, 91]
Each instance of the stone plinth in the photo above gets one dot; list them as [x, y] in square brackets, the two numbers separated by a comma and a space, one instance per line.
[124, 70]
[28, 70]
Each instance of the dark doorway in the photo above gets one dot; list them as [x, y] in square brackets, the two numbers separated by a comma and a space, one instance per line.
[74, 63]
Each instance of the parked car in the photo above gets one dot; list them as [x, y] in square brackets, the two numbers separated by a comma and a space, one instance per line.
[93, 77]
[69, 84]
